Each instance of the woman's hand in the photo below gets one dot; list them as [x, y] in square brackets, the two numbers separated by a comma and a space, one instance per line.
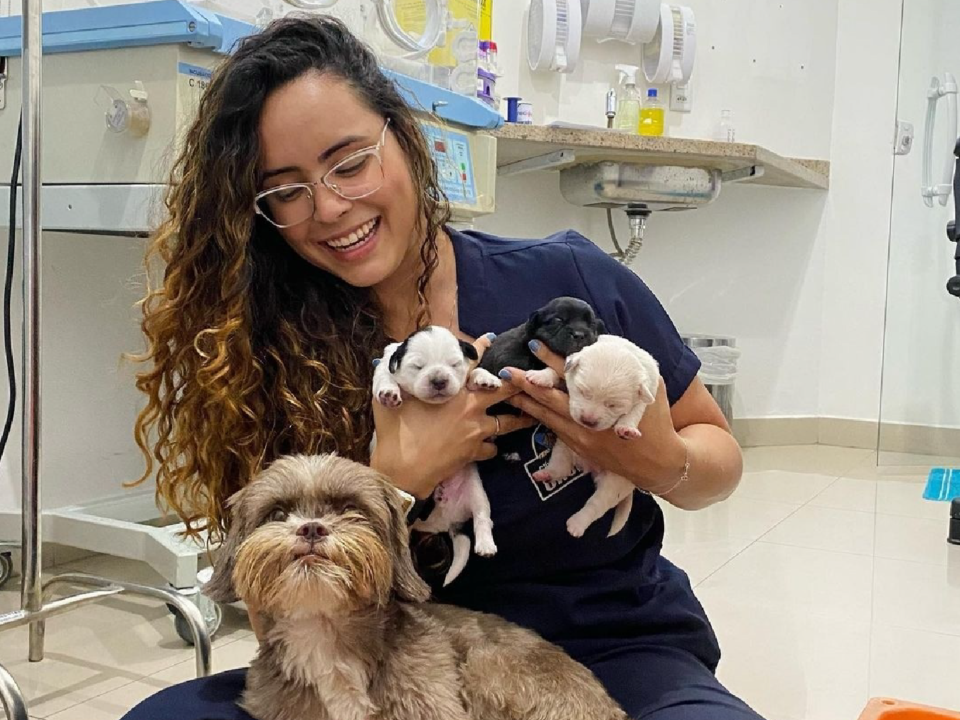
[419, 445]
[653, 462]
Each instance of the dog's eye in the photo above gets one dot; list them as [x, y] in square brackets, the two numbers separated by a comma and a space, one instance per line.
[611, 405]
[417, 367]
[557, 321]
[277, 515]
[456, 363]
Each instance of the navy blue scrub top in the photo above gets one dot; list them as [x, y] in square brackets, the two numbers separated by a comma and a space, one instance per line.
[594, 595]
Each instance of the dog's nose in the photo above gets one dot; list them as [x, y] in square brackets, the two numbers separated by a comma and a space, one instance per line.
[589, 421]
[578, 334]
[312, 531]
[439, 383]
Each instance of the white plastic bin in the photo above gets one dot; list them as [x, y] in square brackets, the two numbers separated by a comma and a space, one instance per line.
[718, 357]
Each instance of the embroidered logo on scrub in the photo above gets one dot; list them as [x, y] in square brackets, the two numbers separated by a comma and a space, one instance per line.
[543, 441]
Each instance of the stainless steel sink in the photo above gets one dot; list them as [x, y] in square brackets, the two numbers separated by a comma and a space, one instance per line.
[618, 185]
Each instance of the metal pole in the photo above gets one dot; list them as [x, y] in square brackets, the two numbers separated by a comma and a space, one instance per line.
[11, 699]
[31, 598]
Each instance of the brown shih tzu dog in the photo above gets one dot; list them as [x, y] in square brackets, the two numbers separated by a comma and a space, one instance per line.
[319, 544]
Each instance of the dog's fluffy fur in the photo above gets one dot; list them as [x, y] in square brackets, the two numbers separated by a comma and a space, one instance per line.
[565, 325]
[433, 366]
[319, 544]
[611, 383]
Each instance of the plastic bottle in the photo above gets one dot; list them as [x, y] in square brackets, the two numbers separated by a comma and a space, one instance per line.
[652, 115]
[628, 107]
[725, 131]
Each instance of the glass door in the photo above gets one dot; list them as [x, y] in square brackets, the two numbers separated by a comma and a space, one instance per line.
[920, 399]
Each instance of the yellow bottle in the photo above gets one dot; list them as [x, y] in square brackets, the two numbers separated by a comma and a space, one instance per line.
[652, 115]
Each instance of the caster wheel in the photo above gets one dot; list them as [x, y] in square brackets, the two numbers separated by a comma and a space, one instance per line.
[6, 568]
[212, 615]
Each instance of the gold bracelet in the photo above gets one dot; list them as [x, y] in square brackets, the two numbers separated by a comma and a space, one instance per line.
[684, 476]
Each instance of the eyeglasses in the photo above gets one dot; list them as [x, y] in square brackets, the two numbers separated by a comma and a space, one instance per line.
[356, 176]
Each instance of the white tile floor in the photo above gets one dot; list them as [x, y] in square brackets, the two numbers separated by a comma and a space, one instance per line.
[828, 581]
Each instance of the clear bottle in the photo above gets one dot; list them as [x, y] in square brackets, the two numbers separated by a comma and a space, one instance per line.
[725, 131]
[628, 107]
[652, 115]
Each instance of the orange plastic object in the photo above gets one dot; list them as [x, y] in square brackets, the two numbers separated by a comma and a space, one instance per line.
[888, 709]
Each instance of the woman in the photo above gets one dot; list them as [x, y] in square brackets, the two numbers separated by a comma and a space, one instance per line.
[306, 228]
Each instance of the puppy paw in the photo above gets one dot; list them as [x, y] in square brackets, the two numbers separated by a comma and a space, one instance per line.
[546, 378]
[485, 547]
[627, 433]
[577, 526]
[481, 379]
[542, 476]
[390, 397]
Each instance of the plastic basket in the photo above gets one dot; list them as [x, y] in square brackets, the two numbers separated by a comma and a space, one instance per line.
[889, 709]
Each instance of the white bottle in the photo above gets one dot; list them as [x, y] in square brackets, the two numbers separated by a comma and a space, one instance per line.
[725, 131]
[628, 107]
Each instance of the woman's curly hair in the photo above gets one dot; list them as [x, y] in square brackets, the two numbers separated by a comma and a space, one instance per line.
[253, 352]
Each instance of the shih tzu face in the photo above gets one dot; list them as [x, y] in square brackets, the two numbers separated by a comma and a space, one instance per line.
[316, 535]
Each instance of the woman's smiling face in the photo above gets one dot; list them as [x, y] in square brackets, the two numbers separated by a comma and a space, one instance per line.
[308, 126]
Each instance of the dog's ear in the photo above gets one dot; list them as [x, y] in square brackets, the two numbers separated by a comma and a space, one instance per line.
[572, 363]
[535, 320]
[220, 586]
[600, 327]
[407, 584]
[469, 351]
[648, 390]
[397, 356]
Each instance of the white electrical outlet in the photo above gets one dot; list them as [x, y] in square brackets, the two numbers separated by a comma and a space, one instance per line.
[681, 98]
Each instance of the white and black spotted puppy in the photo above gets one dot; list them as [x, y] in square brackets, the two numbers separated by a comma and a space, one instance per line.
[432, 365]
[611, 384]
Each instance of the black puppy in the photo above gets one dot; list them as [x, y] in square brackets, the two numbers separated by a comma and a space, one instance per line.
[566, 325]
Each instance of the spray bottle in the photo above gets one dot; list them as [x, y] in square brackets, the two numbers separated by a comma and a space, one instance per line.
[628, 108]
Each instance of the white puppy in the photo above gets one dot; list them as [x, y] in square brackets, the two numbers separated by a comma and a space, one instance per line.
[611, 383]
[433, 366]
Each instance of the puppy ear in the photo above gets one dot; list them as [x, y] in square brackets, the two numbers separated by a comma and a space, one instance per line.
[572, 363]
[600, 327]
[397, 356]
[535, 320]
[469, 351]
[407, 584]
[648, 390]
[220, 586]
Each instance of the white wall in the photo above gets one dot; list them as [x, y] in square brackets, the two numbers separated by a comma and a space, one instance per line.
[857, 219]
[921, 378]
[772, 63]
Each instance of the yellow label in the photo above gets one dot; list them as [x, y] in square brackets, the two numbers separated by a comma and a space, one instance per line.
[486, 19]
[411, 14]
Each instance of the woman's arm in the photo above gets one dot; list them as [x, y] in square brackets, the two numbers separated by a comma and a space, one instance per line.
[716, 462]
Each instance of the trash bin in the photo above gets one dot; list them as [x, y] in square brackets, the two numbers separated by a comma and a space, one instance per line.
[718, 371]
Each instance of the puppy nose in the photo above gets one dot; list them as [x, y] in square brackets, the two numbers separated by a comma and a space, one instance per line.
[439, 383]
[589, 421]
[578, 334]
[312, 531]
